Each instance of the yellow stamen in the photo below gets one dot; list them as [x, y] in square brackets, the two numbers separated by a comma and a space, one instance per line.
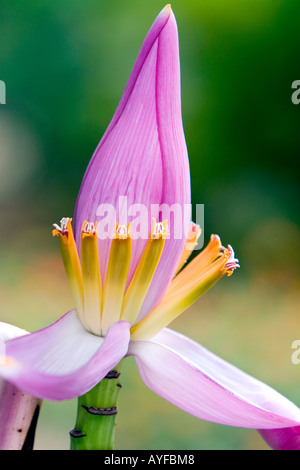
[92, 288]
[177, 300]
[198, 264]
[140, 283]
[85, 281]
[116, 276]
[71, 262]
[191, 242]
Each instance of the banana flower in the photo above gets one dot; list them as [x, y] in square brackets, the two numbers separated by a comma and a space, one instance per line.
[127, 289]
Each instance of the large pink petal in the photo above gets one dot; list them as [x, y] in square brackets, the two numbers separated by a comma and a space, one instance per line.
[282, 439]
[194, 379]
[143, 154]
[63, 361]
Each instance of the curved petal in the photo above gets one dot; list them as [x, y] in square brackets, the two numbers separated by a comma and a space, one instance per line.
[142, 157]
[282, 439]
[63, 361]
[194, 379]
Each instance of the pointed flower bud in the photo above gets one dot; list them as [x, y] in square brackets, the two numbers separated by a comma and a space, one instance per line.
[142, 158]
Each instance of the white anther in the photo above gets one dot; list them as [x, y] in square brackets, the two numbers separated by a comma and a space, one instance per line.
[121, 230]
[158, 229]
[89, 227]
[232, 262]
[63, 228]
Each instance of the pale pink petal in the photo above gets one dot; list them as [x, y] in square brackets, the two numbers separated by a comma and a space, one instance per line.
[199, 382]
[63, 361]
[142, 155]
[282, 439]
[8, 331]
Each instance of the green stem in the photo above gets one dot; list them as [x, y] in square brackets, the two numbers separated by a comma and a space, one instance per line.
[96, 415]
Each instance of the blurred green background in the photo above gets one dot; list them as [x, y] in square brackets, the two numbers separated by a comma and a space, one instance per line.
[65, 65]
